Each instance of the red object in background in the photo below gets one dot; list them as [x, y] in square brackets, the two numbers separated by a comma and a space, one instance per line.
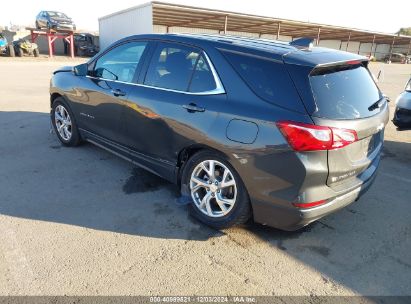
[52, 36]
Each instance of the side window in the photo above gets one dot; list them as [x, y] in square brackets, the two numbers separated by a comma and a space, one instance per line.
[172, 67]
[268, 79]
[203, 79]
[120, 63]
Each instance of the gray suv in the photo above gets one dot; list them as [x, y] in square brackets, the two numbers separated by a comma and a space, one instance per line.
[281, 133]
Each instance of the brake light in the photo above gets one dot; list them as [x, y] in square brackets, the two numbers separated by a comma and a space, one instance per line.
[354, 62]
[309, 205]
[307, 137]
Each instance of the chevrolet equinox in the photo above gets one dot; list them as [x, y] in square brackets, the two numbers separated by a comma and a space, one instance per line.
[281, 133]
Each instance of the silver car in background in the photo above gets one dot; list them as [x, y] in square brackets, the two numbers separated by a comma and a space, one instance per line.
[402, 115]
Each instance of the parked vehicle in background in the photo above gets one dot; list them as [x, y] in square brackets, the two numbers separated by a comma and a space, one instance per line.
[84, 45]
[5, 47]
[281, 133]
[52, 20]
[395, 57]
[408, 59]
[25, 47]
[402, 114]
[3, 44]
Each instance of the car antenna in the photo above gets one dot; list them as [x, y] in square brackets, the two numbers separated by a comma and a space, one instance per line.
[303, 42]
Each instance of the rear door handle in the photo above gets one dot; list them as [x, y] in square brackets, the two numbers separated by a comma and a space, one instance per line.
[192, 107]
[117, 92]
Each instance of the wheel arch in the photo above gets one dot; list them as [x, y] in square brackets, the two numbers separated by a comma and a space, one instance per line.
[55, 95]
[187, 152]
[53, 98]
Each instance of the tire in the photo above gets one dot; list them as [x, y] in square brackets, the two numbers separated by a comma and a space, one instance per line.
[400, 125]
[79, 52]
[10, 51]
[20, 52]
[36, 53]
[38, 25]
[65, 127]
[204, 205]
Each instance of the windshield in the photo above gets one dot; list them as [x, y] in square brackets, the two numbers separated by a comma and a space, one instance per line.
[344, 92]
[57, 14]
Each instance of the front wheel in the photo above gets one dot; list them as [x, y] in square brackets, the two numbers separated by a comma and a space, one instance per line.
[219, 197]
[36, 53]
[64, 124]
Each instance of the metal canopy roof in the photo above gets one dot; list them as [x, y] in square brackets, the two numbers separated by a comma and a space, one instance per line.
[171, 15]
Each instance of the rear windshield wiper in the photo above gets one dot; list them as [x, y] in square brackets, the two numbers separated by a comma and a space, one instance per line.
[377, 104]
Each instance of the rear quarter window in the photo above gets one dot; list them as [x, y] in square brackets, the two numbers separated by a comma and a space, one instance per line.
[267, 78]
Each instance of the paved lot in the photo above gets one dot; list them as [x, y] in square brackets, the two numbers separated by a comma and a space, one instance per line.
[79, 221]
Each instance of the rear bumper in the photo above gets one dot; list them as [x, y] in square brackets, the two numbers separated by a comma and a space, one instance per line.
[288, 217]
[402, 117]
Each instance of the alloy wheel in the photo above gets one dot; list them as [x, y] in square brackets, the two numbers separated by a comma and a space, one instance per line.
[63, 122]
[213, 188]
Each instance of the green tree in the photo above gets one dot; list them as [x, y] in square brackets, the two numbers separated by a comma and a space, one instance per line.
[405, 31]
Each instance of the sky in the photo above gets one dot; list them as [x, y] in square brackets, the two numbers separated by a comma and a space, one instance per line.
[384, 16]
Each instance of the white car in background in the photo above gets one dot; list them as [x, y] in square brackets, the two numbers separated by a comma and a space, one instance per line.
[402, 114]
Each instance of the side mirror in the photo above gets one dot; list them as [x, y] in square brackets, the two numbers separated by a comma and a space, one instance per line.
[81, 69]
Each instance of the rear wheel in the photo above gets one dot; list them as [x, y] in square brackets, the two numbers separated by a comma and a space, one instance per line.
[64, 124]
[219, 197]
[20, 52]
[36, 52]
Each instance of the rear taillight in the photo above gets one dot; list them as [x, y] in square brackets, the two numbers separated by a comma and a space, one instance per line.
[309, 205]
[307, 137]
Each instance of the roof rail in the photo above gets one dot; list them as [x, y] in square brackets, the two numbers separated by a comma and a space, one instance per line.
[303, 42]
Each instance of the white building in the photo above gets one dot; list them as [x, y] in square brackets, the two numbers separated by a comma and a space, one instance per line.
[159, 17]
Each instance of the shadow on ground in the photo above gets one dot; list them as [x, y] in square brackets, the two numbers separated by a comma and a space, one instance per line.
[41, 180]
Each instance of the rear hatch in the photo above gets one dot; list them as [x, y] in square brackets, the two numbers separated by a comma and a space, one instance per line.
[344, 96]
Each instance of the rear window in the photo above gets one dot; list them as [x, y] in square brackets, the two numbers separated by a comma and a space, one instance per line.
[268, 79]
[344, 92]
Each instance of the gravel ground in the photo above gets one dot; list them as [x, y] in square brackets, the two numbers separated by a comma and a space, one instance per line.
[80, 221]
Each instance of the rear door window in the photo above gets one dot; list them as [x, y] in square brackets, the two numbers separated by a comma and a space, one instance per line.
[344, 92]
[172, 67]
[267, 78]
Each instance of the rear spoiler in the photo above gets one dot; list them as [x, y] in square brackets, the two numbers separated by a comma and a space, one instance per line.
[306, 55]
[364, 60]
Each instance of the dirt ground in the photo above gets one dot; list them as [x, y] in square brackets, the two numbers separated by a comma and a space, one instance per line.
[80, 221]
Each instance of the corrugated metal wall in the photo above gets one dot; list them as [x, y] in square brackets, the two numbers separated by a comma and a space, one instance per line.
[137, 20]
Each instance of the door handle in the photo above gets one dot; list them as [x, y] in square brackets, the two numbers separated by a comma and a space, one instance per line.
[192, 107]
[117, 92]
